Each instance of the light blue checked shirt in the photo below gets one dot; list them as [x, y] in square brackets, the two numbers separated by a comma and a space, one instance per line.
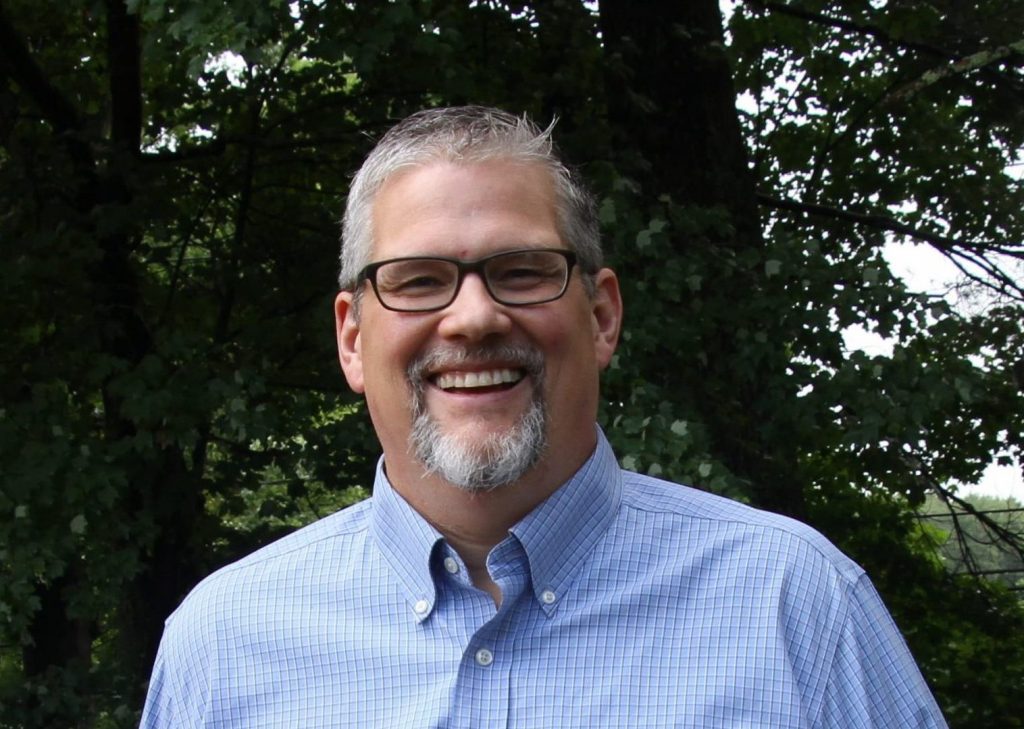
[628, 602]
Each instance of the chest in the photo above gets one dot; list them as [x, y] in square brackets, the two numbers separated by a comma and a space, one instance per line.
[630, 657]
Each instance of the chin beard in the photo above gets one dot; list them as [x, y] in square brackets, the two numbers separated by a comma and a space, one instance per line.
[486, 463]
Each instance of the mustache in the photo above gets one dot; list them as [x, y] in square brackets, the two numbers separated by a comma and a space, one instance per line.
[522, 356]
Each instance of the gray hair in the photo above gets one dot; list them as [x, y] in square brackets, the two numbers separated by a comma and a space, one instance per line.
[466, 134]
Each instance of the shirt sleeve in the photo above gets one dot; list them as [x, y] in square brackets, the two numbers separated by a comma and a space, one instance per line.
[874, 681]
[175, 699]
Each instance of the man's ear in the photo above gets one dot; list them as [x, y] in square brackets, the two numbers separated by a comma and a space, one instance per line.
[606, 310]
[346, 324]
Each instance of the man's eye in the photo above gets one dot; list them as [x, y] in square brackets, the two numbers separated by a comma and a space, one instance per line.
[525, 272]
[527, 276]
[521, 275]
[421, 282]
[413, 285]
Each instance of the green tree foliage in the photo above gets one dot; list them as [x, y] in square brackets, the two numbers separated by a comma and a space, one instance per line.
[173, 172]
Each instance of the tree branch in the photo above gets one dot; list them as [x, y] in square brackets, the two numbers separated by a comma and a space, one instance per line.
[124, 58]
[957, 251]
[186, 241]
[872, 31]
[999, 281]
[1004, 536]
[957, 66]
[880, 222]
[18, 64]
[966, 555]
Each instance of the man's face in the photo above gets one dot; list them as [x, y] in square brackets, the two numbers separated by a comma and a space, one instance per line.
[478, 371]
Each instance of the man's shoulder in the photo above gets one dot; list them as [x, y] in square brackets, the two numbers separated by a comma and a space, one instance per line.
[263, 598]
[299, 560]
[752, 531]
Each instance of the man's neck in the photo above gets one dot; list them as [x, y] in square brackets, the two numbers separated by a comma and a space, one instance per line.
[472, 523]
[472, 520]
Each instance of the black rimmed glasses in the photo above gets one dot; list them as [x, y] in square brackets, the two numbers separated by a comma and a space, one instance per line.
[430, 283]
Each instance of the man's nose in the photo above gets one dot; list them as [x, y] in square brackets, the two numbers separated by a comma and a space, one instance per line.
[474, 314]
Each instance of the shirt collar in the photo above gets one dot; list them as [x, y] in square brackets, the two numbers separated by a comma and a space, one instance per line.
[564, 529]
[556, 536]
[407, 541]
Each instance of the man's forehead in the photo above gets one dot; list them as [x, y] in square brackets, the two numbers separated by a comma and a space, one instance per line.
[437, 166]
[446, 198]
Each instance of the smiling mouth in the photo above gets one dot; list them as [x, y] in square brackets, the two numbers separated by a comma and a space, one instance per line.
[497, 378]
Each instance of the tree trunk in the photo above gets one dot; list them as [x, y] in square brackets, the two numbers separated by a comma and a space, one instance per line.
[670, 89]
[672, 101]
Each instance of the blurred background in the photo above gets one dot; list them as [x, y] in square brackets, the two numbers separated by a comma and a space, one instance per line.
[815, 207]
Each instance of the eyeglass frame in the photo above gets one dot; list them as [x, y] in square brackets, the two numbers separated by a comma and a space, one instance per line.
[476, 265]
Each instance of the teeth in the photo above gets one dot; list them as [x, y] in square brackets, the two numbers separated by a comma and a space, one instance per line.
[487, 378]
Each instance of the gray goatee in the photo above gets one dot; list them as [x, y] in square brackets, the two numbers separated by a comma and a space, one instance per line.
[488, 462]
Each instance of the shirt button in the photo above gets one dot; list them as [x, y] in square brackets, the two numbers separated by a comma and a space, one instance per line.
[548, 597]
[421, 607]
[451, 565]
[484, 657]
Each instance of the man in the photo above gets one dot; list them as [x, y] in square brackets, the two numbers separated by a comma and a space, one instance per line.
[506, 572]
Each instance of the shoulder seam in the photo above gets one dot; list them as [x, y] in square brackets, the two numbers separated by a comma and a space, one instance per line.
[254, 558]
[851, 578]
